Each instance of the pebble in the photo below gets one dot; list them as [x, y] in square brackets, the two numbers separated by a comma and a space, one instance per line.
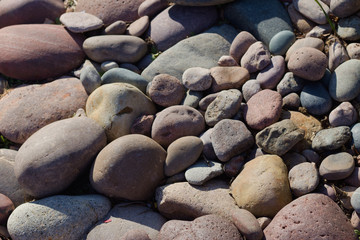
[289, 84]
[107, 65]
[353, 49]
[247, 224]
[270, 76]
[208, 149]
[304, 42]
[291, 101]
[355, 132]
[343, 115]
[331, 138]
[136, 234]
[250, 88]
[131, 67]
[80, 22]
[355, 200]
[202, 171]
[311, 156]
[192, 98]
[138, 27]
[233, 167]
[199, 3]
[354, 178]
[348, 28]
[90, 78]
[152, 7]
[116, 28]
[303, 178]
[312, 10]
[344, 8]
[292, 159]
[355, 220]
[264, 222]
[337, 166]
[256, 58]
[337, 55]
[181, 154]
[302, 23]
[230, 138]
[315, 98]
[6, 207]
[263, 109]
[319, 31]
[281, 42]
[205, 101]
[197, 79]
[228, 77]
[227, 61]
[240, 45]
[142, 125]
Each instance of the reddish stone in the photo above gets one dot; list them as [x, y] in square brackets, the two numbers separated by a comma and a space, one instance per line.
[6, 207]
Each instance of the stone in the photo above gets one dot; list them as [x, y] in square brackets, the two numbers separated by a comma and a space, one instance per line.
[202, 171]
[331, 139]
[110, 11]
[46, 47]
[312, 10]
[271, 75]
[138, 27]
[230, 138]
[131, 67]
[77, 140]
[343, 115]
[263, 109]
[197, 79]
[355, 220]
[319, 31]
[348, 28]
[291, 101]
[29, 11]
[130, 167]
[115, 106]
[208, 149]
[125, 217]
[175, 122]
[177, 22]
[337, 55]
[344, 8]
[247, 224]
[311, 156]
[116, 28]
[80, 22]
[337, 166]
[302, 23]
[292, 159]
[262, 187]
[233, 167]
[303, 179]
[315, 99]
[263, 19]
[308, 63]
[57, 217]
[228, 77]
[279, 137]
[166, 90]
[353, 49]
[142, 125]
[192, 98]
[181, 154]
[185, 202]
[312, 216]
[119, 48]
[344, 84]
[6, 207]
[28, 108]
[281, 42]
[250, 88]
[136, 234]
[256, 58]
[304, 42]
[226, 104]
[205, 101]
[355, 133]
[264, 222]
[289, 84]
[327, 190]
[355, 201]
[200, 3]
[203, 49]
[227, 61]
[240, 45]
[90, 78]
[152, 7]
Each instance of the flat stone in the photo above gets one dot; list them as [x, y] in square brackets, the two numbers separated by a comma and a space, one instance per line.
[138, 27]
[240, 45]
[247, 224]
[197, 79]
[312, 10]
[228, 77]
[90, 78]
[343, 115]
[305, 42]
[344, 8]
[337, 55]
[331, 139]
[80, 22]
[337, 166]
[270, 76]
[348, 28]
[256, 58]
[302, 23]
[303, 179]
[152, 7]
[315, 98]
[116, 28]
[281, 42]
[202, 171]
[250, 88]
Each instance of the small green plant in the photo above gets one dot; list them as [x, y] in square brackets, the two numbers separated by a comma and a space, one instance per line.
[4, 143]
[357, 232]
[331, 23]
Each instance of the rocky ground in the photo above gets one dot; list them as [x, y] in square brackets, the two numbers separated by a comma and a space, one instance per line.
[187, 119]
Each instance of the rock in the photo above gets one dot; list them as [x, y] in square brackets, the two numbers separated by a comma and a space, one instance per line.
[308, 63]
[344, 8]
[337, 166]
[303, 24]
[226, 104]
[177, 22]
[315, 98]
[228, 77]
[192, 98]
[107, 65]
[116, 28]
[204, 50]
[117, 48]
[348, 28]
[6, 207]
[319, 31]
[166, 90]
[130, 167]
[256, 58]
[77, 142]
[208, 149]
[250, 88]
[26, 109]
[304, 42]
[327, 190]
[263, 109]
[181, 154]
[127, 217]
[345, 81]
[312, 10]
[240, 45]
[184, 201]
[354, 178]
[197, 79]
[202, 171]
[303, 178]
[270, 76]
[57, 217]
[345, 200]
[131, 67]
[353, 49]
[233, 167]
[247, 224]
[136, 234]
[227, 61]
[313, 216]
[343, 115]
[152, 7]
[142, 125]
[292, 159]
[262, 187]
[355, 201]
[355, 220]
[355, 132]
[337, 55]
[199, 3]
[290, 83]
[175, 122]
[29, 11]
[311, 156]
[138, 27]
[115, 106]
[80, 22]
[281, 42]
[205, 101]
[279, 137]
[46, 46]
[264, 222]
[331, 139]
[90, 78]
[291, 101]
[230, 138]
[111, 10]
[262, 18]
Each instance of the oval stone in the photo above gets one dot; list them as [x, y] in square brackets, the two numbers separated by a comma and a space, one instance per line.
[348, 28]
[256, 58]
[38, 51]
[343, 115]
[271, 75]
[80, 22]
[281, 42]
[312, 10]
[316, 99]
[303, 178]
[337, 166]
[305, 42]
[344, 8]
[240, 45]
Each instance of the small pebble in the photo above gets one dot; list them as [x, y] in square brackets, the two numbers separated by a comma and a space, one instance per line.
[240, 45]
[311, 156]
[344, 8]
[270, 76]
[353, 49]
[337, 166]
[228, 77]
[264, 222]
[247, 224]
[107, 65]
[80, 22]
[281, 42]
[316, 99]
[337, 55]
[291, 101]
[90, 78]
[305, 42]
[349, 28]
[291, 159]
[290, 83]
[331, 138]
[227, 61]
[250, 88]
[256, 58]
[152, 7]
[355, 220]
[197, 78]
[192, 98]
[116, 28]
[138, 27]
[343, 115]
[302, 23]
[303, 178]
[203, 171]
[205, 101]
[233, 167]
[355, 200]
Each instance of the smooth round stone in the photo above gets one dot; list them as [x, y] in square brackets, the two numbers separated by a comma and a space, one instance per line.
[349, 28]
[308, 63]
[197, 78]
[270, 76]
[250, 88]
[303, 178]
[142, 125]
[107, 65]
[256, 58]
[344, 8]
[331, 138]
[302, 23]
[181, 154]
[122, 75]
[131, 67]
[312, 10]
[202, 171]
[6, 207]
[208, 149]
[355, 133]
[152, 7]
[130, 167]
[304, 42]
[117, 48]
[263, 109]
[337, 55]
[227, 61]
[289, 84]
[138, 27]
[90, 78]
[175, 122]
[281, 42]
[344, 84]
[80, 22]
[166, 90]
[337, 166]
[240, 45]
[311, 156]
[228, 77]
[355, 200]
[316, 99]
[353, 49]
[192, 98]
[247, 224]
[291, 101]
[343, 115]
[116, 28]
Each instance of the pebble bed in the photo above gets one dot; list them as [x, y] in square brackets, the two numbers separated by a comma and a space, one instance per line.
[179, 119]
